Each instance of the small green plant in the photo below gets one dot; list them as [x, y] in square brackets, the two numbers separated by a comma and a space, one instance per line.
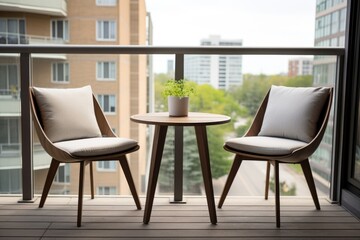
[179, 88]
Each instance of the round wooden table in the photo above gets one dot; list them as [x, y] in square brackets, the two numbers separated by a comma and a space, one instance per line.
[161, 121]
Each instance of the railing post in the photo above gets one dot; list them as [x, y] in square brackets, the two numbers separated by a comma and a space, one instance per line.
[26, 130]
[337, 149]
[179, 141]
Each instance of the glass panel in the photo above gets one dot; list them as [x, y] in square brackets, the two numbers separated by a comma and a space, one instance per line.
[99, 29]
[106, 103]
[112, 70]
[66, 30]
[4, 131]
[60, 72]
[99, 69]
[13, 28]
[356, 164]
[106, 30]
[13, 77]
[53, 28]
[106, 70]
[112, 30]
[60, 29]
[3, 79]
[10, 148]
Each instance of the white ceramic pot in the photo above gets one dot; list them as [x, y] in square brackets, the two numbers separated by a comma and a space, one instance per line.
[178, 107]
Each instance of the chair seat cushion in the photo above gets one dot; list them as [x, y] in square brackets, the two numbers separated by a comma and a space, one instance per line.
[89, 147]
[265, 145]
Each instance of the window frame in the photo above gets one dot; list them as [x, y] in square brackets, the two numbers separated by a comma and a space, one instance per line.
[64, 81]
[100, 166]
[100, 98]
[101, 37]
[101, 71]
[20, 36]
[67, 28]
[103, 190]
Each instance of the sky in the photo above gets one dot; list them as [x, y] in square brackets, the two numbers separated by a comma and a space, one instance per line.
[259, 23]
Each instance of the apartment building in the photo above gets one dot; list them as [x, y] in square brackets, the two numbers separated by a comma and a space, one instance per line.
[220, 71]
[120, 82]
[300, 67]
[330, 25]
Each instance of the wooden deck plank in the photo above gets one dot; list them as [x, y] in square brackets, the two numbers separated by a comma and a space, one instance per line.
[113, 219]
[144, 233]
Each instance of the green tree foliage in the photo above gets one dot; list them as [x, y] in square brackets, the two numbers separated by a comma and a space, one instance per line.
[255, 87]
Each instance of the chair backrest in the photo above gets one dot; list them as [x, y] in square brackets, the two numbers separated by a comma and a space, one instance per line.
[47, 143]
[324, 106]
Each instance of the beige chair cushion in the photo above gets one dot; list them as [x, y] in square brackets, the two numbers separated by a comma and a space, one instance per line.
[67, 113]
[96, 146]
[265, 145]
[293, 112]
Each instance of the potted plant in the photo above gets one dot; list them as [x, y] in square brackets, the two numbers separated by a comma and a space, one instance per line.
[178, 92]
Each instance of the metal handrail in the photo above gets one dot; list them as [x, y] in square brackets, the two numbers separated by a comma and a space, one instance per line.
[132, 49]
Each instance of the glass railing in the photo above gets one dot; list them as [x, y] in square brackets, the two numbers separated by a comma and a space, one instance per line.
[18, 38]
[123, 86]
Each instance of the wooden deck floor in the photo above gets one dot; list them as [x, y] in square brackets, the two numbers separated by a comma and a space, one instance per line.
[117, 218]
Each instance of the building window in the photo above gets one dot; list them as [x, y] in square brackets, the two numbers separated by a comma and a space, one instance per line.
[106, 30]
[107, 102]
[9, 80]
[12, 31]
[9, 135]
[60, 72]
[106, 2]
[106, 165]
[63, 174]
[106, 190]
[106, 70]
[60, 29]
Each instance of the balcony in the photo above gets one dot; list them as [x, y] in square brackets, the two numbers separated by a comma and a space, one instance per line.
[114, 217]
[52, 8]
[117, 218]
[26, 39]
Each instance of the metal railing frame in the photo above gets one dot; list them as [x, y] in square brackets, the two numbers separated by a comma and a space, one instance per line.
[25, 52]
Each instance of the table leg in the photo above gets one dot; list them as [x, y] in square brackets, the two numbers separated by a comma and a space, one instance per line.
[178, 165]
[156, 154]
[203, 147]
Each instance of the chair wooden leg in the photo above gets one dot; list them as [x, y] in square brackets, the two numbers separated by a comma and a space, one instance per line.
[234, 168]
[91, 180]
[305, 165]
[81, 193]
[267, 180]
[277, 194]
[49, 179]
[125, 166]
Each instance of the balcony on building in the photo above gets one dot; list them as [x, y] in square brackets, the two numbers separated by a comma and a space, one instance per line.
[53, 7]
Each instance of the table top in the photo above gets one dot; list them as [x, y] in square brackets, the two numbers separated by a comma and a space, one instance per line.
[193, 119]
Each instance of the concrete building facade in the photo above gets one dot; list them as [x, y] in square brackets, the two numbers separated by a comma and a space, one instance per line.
[330, 24]
[220, 71]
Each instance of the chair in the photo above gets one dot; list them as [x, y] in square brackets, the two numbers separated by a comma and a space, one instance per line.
[72, 128]
[287, 128]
